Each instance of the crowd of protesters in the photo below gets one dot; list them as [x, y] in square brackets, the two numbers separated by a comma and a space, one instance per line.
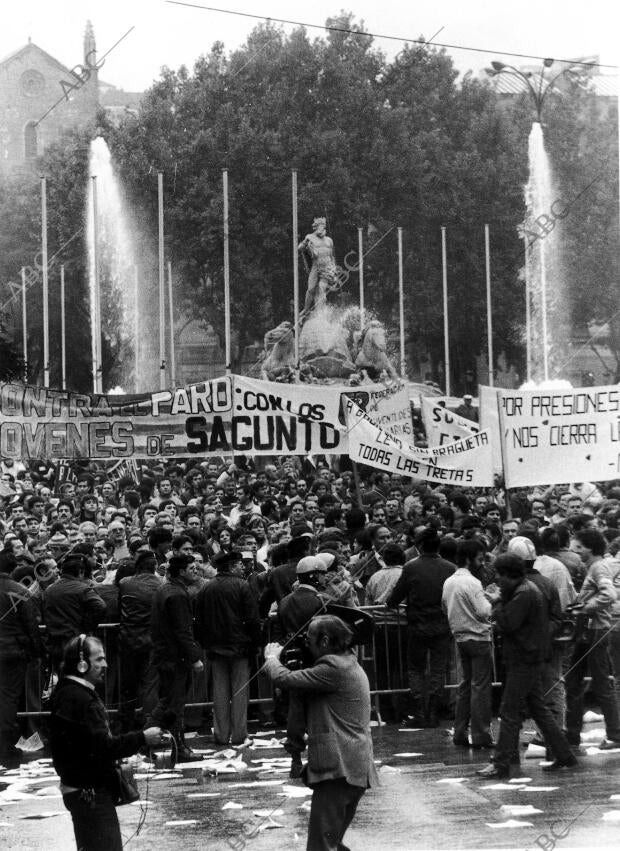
[194, 558]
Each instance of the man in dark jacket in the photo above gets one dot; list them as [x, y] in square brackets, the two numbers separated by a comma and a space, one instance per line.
[19, 643]
[84, 751]
[520, 612]
[175, 652]
[138, 674]
[228, 627]
[71, 606]
[281, 579]
[428, 630]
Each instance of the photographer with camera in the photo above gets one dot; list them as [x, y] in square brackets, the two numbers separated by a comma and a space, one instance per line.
[340, 755]
[294, 613]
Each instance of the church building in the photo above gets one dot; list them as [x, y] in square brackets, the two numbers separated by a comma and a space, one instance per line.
[41, 99]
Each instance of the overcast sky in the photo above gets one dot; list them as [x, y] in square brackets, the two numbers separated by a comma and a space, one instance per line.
[172, 35]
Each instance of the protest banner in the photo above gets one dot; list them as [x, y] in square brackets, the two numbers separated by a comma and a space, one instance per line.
[387, 405]
[227, 415]
[467, 461]
[442, 425]
[489, 419]
[63, 474]
[558, 436]
[298, 419]
[36, 422]
[125, 469]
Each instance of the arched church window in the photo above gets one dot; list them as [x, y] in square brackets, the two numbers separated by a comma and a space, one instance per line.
[30, 141]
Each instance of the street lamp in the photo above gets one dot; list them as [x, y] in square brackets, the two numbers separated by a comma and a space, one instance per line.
[538, 91]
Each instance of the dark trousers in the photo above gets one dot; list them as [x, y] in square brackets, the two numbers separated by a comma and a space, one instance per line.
[473, 698]
[423, 651]
[594, 656]
[334, 803]
[170, 710]
[295, 724]
[139, 684]
[523, 684]
[95, 824]
[12, 679]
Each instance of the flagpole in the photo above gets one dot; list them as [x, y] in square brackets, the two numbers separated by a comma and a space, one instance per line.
[173, 369]
[162, 283]
[63, 338]
[136, 324]
[487, 256]
[24, 326]
[446, 340]
[401, 305]
[95, 312]
[295, 267]
[360, 264]
[226, 272]
[46, 314]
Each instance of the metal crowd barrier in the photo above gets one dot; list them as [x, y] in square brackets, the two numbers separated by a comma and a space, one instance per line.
[384, 661]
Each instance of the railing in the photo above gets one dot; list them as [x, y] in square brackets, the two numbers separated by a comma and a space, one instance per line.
[384, 660]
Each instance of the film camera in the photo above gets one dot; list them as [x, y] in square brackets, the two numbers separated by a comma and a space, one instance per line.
[576, 626]
[297, 654]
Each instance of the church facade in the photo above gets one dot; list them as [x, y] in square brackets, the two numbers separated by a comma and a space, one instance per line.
[41, 99]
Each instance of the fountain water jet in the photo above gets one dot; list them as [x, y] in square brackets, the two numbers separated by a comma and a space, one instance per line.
[544, 277]
[118, 315]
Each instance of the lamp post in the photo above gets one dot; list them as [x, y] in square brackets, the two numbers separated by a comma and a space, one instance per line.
[538, 91]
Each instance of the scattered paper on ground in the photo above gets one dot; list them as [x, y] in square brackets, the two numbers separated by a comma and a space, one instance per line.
[204, 795]
[231, 805]
[406, 753]
[614, 797]
[512, 823]
[305, 807]
[30, 745]
[599, 752]
[519, 809]
[452, 780]
[295, 791]
[612, 815]
[252, 784]
[503, 786]
[181, 822]
[410, 730]
[535, 752]
[269, 743]
[267, 813]
[590, 717]
[389, 769]
[595, 735]
[270, 824]
[518, 780]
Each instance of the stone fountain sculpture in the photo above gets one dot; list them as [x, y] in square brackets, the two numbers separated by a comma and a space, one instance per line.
[331, 346]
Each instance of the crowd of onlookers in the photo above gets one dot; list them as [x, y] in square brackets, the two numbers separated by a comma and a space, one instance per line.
[87, 550]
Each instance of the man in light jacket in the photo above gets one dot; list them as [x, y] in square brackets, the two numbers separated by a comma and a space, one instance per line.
[340, 755]
[469, 615]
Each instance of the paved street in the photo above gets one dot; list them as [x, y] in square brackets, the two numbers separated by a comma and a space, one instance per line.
[415, 807]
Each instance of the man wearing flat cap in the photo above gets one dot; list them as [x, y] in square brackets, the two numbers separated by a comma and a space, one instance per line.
[228, 627]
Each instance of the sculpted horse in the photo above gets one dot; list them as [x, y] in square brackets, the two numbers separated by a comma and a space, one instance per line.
[372, 356]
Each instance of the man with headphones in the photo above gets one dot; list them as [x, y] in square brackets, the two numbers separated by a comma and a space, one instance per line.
[84, 751]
